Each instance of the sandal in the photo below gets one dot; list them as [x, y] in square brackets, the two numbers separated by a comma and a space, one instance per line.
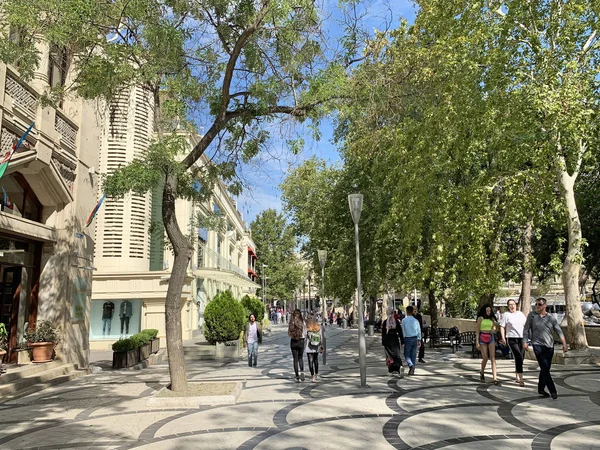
[497, 383]
[521, 383]
[481, 376]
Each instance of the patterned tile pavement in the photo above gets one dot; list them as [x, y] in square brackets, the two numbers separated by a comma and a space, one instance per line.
[442, 406]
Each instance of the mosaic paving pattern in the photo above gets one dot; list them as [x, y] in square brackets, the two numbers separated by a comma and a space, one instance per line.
[442, 406]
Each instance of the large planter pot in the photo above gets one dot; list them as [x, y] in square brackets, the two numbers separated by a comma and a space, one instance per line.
[228, 349]
[145, 351]
[122, 360]
[155, 345]
[42, 351]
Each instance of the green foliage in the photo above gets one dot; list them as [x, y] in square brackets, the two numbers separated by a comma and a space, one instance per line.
[276, 244]
[223, 318]
[152, 333]
[3, 337]
[253, 306]
[44, 331]
[123, 345]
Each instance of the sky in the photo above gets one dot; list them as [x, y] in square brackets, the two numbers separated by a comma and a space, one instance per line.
[270, 168]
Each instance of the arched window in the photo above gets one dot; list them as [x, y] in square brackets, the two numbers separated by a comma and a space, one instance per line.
[18, 198]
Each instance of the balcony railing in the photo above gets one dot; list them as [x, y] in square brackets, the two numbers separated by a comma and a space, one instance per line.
[214, 260]
[66, 131]
[21, 96]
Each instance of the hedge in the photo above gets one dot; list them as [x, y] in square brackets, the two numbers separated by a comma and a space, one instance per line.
[253, 306]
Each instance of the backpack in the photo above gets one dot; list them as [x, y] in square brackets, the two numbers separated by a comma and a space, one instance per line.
[315, 339]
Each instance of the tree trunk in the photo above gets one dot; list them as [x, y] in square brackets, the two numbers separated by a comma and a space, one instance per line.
[525, 297]
[571, 267]
[433, 309]
[182, 251]
[372, 309]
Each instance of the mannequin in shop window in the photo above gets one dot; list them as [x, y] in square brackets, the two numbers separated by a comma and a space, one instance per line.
[107, 314]
[125, 313]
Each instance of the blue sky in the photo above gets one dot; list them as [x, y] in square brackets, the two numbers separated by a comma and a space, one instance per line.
[269, 169]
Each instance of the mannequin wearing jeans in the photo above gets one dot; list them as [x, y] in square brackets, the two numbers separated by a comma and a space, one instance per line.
[125, 313]
[107, 314]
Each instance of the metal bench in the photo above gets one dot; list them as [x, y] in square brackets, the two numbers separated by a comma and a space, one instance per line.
[437, 336]
[468, 338]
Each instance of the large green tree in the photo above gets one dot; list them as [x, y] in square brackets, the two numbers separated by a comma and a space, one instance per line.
[276, 245]
[232, 66]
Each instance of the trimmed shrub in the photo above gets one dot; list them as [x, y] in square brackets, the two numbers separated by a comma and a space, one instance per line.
[253, 306]
[123, 345]
[142, 338]
[223, 318]
[151, 332]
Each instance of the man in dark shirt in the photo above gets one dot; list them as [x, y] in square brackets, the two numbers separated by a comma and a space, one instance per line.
[538, 334]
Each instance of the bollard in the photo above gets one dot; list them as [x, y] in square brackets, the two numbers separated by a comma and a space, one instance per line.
[344, 324]
[371, 330]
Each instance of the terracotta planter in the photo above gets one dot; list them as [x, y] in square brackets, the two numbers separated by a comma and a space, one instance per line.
[42, 351]
[125, 359]
[155, 344]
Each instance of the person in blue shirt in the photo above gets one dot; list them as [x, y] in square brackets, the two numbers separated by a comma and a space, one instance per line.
[412, 338]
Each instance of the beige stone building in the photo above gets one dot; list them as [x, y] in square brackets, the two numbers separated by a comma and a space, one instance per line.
[47, 193]
[133, 264]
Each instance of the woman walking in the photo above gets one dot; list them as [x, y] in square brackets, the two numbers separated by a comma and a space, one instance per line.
[297, 333]
[392, 340]
[511, 327]
[314, 345]
[486, 323]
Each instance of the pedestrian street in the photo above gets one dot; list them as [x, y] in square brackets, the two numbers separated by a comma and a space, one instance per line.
[444, 405]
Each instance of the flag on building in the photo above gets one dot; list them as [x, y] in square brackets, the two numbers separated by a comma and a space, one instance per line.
[94, 212]
[5, 200]
[6, 160]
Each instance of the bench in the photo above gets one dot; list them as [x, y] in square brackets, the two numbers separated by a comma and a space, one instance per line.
[439, 335]
[469, 338]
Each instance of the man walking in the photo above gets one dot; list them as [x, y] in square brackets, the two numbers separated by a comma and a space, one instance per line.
[252, 337]
[538, 332]
[412, 339]
[419, 318]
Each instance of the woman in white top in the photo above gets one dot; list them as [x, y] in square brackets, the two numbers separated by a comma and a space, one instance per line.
[512, 325]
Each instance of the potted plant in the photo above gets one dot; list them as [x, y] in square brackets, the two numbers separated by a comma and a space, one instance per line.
[154, 340]
[143, 342]
[224, 318]
[125, 353]
[42, 339]
[3, 341]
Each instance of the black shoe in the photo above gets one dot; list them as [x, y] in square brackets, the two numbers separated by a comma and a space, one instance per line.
[422, 361]
[544, 394]
[497, 383]
[411, 371]
[302, 376]
[554, 395]
[481, 376]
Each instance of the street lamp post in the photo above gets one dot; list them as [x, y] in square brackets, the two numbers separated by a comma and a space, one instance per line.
[355, 202]
[322, 259]
[264, 286]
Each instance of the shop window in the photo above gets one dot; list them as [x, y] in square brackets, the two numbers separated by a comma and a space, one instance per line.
[18, 198]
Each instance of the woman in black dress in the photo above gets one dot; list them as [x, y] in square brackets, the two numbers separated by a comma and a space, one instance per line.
[392, 341]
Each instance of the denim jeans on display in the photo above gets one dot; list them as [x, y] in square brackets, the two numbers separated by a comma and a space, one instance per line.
[106, 323]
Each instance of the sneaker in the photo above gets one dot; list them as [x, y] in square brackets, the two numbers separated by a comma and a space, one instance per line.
[401, 371]
[411, 371]
[554, 395]
[302, 376]
[297, 379]
[314, 379]
[544, 394]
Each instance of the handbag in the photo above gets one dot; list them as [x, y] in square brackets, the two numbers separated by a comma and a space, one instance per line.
[389, 361]
[486, 338]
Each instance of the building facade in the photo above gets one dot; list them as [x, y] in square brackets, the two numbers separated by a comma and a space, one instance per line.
[48, 192]
[133, 261]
